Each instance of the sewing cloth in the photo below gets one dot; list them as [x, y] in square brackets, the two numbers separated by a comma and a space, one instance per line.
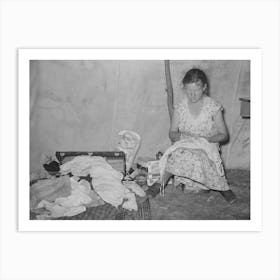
[193, 160]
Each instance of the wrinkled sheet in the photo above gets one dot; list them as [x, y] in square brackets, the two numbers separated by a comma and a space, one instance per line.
[134, 187]
[49, 190]
[106, 181]
[80, 197]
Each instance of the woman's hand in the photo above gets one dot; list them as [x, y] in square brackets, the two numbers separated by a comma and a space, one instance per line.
[187, 134]
[174, 136]
[217, 138]
[221, 133]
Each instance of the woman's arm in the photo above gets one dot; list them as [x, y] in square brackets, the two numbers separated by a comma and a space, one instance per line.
[174, 133]
[169, 89]
[222, 134]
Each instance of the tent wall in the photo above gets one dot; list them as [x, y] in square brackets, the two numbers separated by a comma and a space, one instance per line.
[82, 105]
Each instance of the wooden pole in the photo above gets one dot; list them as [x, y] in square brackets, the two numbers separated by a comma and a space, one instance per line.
[169, 89]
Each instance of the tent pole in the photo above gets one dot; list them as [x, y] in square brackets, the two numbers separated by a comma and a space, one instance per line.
[169, 89]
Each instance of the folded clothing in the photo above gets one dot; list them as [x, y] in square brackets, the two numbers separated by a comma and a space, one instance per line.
[130, 202]
[134, 187]
[106, 181]
[55, 210]
[81, 196]
[49, 190]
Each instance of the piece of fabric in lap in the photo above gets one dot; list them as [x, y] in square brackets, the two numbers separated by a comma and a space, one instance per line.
[196, 165]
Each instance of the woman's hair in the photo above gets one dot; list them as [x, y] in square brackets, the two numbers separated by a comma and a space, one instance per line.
[196, 75]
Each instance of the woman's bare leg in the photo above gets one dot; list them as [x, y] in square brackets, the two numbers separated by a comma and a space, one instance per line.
[165, 178]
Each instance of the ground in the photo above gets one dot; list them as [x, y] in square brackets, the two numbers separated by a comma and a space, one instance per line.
[178, 205]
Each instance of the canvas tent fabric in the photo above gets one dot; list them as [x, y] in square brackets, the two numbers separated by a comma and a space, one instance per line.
[82, 105]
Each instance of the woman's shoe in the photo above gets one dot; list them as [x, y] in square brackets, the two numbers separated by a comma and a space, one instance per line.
[229, 196]
[181, 186]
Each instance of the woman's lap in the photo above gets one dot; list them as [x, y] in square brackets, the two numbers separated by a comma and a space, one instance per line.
[195, 165]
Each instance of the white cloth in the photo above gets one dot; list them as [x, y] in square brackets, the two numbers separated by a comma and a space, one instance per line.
[57, 210]
[79, 195]
[212, 150]
[130, 202]
[134, 187]
[70, 205]
[106, 181]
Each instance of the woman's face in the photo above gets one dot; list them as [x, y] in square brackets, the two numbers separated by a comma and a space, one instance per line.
[194, 91]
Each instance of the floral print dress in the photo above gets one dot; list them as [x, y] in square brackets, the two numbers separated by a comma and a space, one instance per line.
[197, 168]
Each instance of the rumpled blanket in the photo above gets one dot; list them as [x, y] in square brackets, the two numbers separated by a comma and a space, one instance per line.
[49, 190]
[134, 187]
[106, 181]
[81, 196]
[80, 165]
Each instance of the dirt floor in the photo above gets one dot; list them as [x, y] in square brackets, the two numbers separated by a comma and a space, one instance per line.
[178, 205]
